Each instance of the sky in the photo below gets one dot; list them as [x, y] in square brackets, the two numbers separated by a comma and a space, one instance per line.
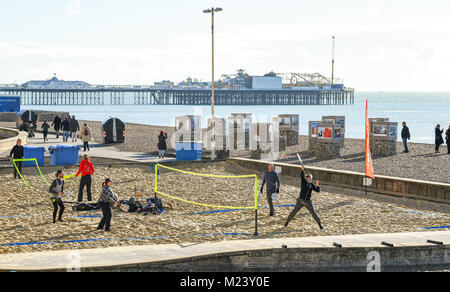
[380, 45]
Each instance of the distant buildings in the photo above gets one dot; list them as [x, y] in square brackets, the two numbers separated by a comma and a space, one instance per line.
[55, 83]
[237, 81]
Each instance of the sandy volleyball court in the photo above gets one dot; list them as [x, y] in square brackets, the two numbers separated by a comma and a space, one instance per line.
[25, 214]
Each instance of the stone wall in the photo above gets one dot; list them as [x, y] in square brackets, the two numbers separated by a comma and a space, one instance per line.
[291, 137]
[382, 148]
[324, 150]
[9, 138]
[8, 117]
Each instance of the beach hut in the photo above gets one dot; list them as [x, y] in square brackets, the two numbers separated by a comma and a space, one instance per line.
[113, 131]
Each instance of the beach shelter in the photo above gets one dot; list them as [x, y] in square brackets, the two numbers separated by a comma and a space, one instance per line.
[113, 131]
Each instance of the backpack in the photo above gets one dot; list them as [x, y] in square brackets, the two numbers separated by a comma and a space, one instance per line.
[85, 207]
[86, 132]
[158, 203]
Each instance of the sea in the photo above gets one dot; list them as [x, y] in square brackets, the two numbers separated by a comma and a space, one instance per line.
[422, 111]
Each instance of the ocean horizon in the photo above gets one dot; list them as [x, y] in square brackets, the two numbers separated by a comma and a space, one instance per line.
[422, 111]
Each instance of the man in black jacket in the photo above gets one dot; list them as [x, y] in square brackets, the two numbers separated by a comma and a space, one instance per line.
[273, 186]
[74, 128]
[305, 198]
[17, 152]
[405, 137]
[57, 125]
[447, 139]
[66, 129]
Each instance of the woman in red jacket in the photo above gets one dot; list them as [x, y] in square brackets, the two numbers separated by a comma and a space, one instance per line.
[86, 170]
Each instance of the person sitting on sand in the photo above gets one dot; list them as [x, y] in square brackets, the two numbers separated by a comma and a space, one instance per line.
[305, 198]
[107, 199]
[273, 186]
[57, 191]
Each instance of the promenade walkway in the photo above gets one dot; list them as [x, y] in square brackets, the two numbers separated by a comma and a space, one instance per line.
[130, 255]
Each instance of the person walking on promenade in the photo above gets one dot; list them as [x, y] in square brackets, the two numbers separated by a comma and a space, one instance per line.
[17, 152]
[45, 127]
[439, 140]
[162, 144]
[57, 125]
[305, 198]
[106, 200]
[273, 186]
[405, 137]
[74, 128]
[86, 170]
[86, 137]
[57, 191]
[66, 129]
[447, 139]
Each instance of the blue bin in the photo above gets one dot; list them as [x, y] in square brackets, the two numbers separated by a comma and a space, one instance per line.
[63, 155]
[189, 151]
[31, 152]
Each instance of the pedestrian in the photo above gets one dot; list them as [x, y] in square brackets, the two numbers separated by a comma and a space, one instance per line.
[305, 198]
[162, 144]
[45, 127]
[57, 125]
[86, 170]
[447, 139]
[106, 200]
[439, 140]
[86, 137]
[74, 128]
[57, 191]
[273, 186]
[66, 129]
[405, 137]
[17, 152]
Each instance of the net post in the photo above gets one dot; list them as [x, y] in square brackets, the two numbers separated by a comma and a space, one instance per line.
[256, 206]
[156, 181]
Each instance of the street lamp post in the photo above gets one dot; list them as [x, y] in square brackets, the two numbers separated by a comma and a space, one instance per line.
[332, 64]
[212, 11]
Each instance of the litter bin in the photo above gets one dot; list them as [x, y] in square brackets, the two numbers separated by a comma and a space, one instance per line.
[31, 152]
[63, 155]
[190, 151]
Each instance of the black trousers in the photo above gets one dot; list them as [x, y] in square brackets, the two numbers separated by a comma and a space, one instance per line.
[107, 216]
[86, 146]
[300, 204]
[57, 202]
[45, 133]
[86, 181]
[270, 201]
[448, 147]
[20, 167]
[437, 146]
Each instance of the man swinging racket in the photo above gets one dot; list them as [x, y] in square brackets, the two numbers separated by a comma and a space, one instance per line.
[305, 197]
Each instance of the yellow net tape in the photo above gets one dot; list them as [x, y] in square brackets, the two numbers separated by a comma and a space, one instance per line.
[255, 207]
[37, 165]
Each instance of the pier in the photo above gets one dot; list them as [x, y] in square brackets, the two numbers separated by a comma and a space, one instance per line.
[152, 96]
